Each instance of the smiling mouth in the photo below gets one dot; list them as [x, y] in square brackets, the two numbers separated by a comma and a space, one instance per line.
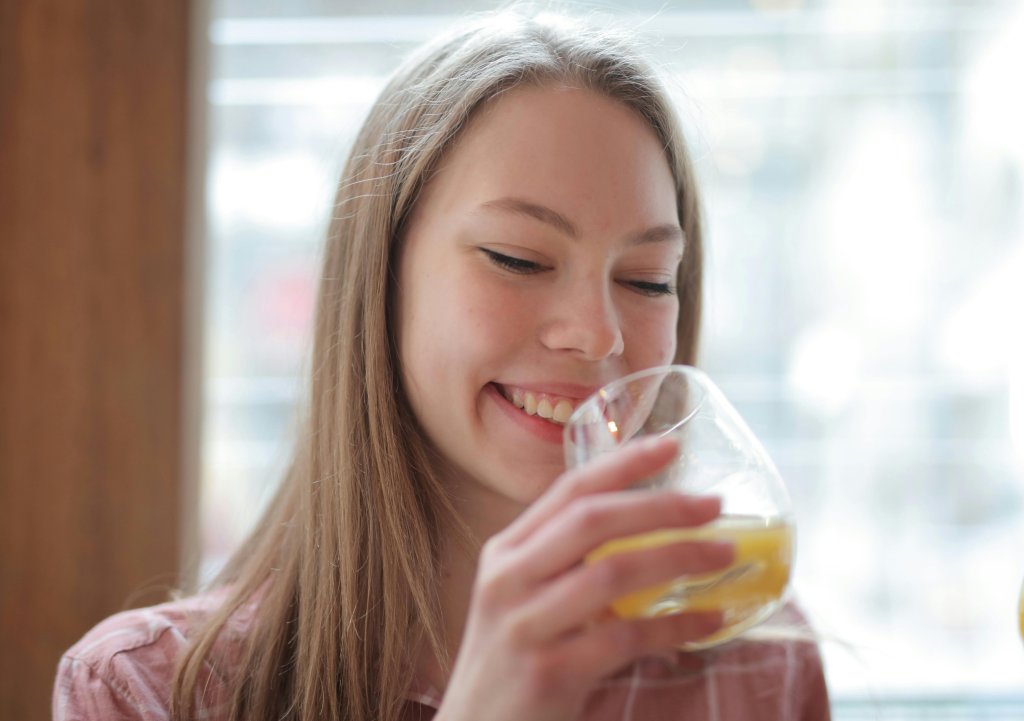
[555, 409]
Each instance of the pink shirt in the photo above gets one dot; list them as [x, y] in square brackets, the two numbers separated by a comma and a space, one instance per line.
[122, 669]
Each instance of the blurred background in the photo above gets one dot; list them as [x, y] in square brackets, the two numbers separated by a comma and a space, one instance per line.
[167, 171]
[863, 169]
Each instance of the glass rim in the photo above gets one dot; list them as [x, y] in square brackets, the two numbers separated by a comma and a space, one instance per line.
[602, 394]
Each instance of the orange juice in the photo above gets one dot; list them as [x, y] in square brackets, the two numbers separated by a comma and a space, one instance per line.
[746, 592]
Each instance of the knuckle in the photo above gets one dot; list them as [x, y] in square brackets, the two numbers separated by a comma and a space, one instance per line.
[492, 548]
[545, 677]
[628, 637]
[489, 595]
[574, 476]
[495, 568]
[490, 587]
[517, 630]
[569, 485]
[611, 575]
[589, 514]
[604, 576]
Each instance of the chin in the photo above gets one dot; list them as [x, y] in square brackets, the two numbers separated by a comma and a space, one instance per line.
[530, 481]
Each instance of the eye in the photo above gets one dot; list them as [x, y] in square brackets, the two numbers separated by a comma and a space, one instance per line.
[651, 289]
[513, 264]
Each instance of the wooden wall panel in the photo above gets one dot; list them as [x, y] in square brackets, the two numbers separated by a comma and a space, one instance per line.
[92, 257]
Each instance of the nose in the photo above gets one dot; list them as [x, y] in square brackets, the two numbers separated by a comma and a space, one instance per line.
[583, 319]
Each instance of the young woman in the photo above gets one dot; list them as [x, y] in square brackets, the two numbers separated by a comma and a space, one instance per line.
[518, 224]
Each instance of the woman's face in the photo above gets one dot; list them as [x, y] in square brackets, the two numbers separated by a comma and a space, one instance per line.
[538, 264]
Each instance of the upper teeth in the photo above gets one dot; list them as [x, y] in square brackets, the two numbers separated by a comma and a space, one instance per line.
[549, 407]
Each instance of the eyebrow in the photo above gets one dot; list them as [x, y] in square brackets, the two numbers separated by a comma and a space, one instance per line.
[666, 232]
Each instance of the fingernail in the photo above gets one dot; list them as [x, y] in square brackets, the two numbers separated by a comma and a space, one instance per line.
[719, 553]
[706, 505]
[654, 441]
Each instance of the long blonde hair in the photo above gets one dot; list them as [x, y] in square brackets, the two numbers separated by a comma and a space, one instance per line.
[344, 564]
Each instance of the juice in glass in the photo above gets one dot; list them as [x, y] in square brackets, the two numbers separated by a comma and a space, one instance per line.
[747, 591]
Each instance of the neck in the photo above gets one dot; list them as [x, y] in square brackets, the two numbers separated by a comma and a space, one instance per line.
[485, 514]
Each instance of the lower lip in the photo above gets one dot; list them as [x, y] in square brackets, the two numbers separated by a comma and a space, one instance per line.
[535, 425]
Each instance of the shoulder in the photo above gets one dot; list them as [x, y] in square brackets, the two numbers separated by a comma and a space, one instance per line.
[771, 676]
[124, 667]
[777, 668]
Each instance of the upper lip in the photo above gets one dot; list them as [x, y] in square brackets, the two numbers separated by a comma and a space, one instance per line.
[572, 391]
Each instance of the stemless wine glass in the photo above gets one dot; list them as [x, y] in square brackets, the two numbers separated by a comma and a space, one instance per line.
[718, 455]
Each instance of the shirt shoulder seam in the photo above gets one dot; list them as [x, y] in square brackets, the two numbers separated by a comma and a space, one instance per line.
[112, 683]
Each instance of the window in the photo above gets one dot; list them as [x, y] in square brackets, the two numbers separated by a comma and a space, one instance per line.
[863, 170]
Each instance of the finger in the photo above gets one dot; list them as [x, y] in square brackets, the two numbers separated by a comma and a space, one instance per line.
[588, 522]
[604, 649]
[611, 472]
[577, 598]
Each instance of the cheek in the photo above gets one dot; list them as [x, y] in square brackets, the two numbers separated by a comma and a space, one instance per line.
[424, 330]
[651, 338]
[495, 317]
[462, 329]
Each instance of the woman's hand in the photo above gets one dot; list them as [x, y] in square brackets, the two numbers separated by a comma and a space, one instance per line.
[538, 636]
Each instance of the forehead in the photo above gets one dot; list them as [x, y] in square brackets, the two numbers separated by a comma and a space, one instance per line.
[589, 155]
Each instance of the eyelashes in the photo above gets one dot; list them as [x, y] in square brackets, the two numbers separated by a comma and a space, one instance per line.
[520, 266]
[651, 289]
[513, 264]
